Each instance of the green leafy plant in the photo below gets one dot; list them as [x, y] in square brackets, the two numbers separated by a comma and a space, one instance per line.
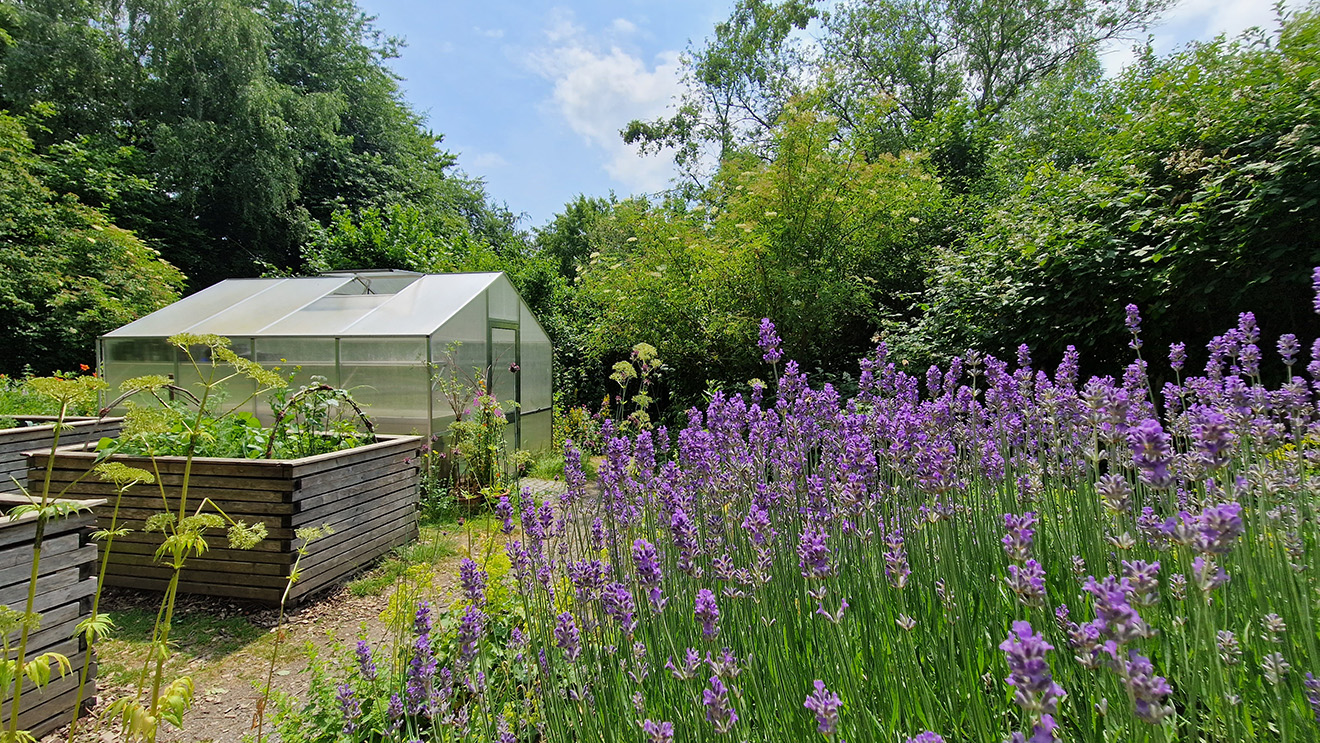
[184, 529]
[66, 395]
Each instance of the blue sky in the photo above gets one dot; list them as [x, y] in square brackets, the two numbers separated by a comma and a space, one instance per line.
[531, 95]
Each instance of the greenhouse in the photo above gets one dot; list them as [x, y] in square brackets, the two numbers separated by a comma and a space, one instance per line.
[399, 341]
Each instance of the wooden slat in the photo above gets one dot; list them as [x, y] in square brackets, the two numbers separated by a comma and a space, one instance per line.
[51, 562]
[384, 477]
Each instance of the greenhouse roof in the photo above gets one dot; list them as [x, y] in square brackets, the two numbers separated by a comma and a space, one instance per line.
[364, 303]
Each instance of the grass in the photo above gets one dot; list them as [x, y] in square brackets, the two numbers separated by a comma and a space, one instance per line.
[199, 636]
[433, 545]
[549, 465]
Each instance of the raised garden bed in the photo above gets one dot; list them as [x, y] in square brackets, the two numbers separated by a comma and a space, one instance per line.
[367, 494]
[36, 432]
[65, 585]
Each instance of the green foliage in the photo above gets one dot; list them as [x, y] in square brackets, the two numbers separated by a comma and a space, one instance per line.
[1196, 203]
[67, 274]
[822, 240]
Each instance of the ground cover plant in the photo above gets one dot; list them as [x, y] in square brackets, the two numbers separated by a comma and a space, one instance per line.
[990, 552]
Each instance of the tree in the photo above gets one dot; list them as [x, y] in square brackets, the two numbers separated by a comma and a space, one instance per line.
[67, 274]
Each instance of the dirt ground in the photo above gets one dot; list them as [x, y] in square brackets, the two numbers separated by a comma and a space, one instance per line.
[225, 647]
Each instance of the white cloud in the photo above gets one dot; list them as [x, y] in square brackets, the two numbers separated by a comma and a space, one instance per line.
[1196, 20]
[490, 33]
[599, 87]
[623, 26]
[486, 160]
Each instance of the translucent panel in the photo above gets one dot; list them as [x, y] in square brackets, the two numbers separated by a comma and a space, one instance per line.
[237, 392]
[380, 283]
[423, 306]
[390, 380]
[536, 431]
[301, 360]
[536, 363]
[251, 315]
[192, 310]
[126, 358]
[326, 316]
[503, 300]
[504, 381]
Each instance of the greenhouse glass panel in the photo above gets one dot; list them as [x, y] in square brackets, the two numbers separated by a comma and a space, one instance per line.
[189, 311]
[389, 379]
[537, 359]
[251, 315]
[503, 300]
[301, 361]
[126, 358]
[536, 433]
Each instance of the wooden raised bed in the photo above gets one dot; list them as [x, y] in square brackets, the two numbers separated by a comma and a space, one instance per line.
[65, 585]
[368, 495]
[36, 432]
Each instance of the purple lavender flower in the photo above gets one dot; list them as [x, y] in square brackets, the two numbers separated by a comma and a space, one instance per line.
[1120, 620]
[658, 732]
[567, 636]
[350, 707]
[1315, 284]
[1148, 690]
[1151, 452]
[1312, 686]
[1017, 543]
[504, 512]
[473, 579]
[813, 555]
[421, 669]
[470, 631]
[649, 574]
[1177, 356]
[1029, 671]
[365, 662]
[617, 600]
[718, 711]
[896, 563]
[1217, 527]
[1207, 574]
[1213, 439]
[394, 712]
[1133, 323]
[769, 342]
[691, 664]
[926, 737]
[1289, 348]
[825, 704]
[1028, 582]
[708, 613]
[1144, 579]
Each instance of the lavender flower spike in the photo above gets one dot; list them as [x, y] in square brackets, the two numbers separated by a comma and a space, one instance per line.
[769, 342]
[926, 737]
[658, 732]
[825, 704]
[707, 612]
[718, 711]
[568, 637]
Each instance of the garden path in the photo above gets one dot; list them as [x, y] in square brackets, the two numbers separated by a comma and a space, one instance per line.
[225, 646]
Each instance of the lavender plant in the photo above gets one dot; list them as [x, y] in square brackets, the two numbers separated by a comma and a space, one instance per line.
[800, 566]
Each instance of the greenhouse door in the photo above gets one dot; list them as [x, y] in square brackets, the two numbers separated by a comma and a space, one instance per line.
[504, 358]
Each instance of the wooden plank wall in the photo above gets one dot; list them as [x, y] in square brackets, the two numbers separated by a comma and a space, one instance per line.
[367, 495]
[65, 585]
[15, 441]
